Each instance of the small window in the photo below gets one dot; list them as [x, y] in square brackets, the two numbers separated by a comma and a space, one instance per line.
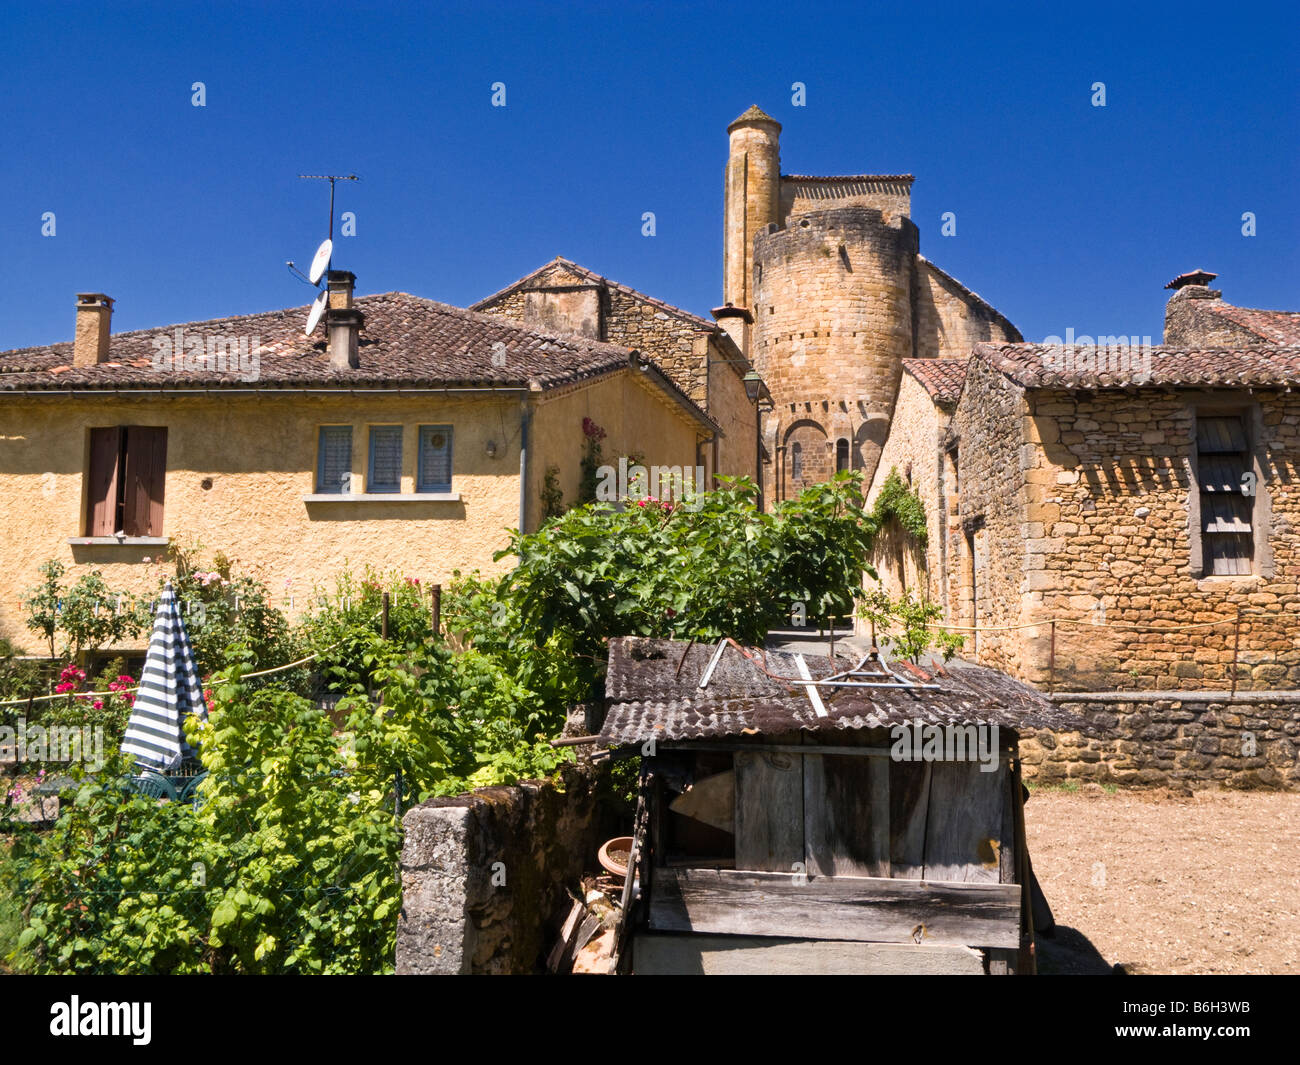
[1227, 511]
[435, 459]
[841, 455]
[385, 474]
[125, 481]
[334, 461]
[796, 461]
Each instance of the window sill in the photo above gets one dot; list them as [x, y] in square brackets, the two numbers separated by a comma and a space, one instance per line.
[385, 497]
[115, 541]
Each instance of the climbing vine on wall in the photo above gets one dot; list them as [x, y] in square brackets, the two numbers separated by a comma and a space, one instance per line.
[900, 503]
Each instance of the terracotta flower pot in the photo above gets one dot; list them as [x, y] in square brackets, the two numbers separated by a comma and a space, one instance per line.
[622, 846]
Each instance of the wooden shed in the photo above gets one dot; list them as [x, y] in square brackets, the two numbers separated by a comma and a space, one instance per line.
[806, 814]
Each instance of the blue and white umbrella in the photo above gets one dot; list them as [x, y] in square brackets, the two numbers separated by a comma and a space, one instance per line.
[169, 692]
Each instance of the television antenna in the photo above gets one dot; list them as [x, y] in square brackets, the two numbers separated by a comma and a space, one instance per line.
[324, 256]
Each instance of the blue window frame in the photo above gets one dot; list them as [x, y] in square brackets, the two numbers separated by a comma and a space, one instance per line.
[384, 473]
[334, 460]
[434, 474]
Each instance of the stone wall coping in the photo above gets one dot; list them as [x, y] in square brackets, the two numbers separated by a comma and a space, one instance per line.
[1287, 696]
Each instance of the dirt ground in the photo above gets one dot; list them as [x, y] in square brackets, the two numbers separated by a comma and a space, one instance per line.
[1162, 883]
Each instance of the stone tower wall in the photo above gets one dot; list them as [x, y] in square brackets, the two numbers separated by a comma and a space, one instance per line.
[832, 322]
[752, 200]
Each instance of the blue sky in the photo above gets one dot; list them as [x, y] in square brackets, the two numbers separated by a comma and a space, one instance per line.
[1068, 215]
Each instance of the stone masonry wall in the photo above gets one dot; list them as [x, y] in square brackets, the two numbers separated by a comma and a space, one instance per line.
[484, 874]
[832, 322]
[949, 320]
[1190, 323]
[1196, 741]
[987, 546]
[1113, 509]
[915, 449]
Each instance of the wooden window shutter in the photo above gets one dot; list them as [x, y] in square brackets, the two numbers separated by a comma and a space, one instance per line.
[1227, 515]
[102, 481]
[146, 475]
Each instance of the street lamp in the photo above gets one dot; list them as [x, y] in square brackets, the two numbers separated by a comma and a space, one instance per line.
[754, 389]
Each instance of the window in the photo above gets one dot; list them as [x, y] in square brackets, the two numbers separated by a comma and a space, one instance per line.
[1223, 462]
[127, 474]
[796, 461]
[334, 460]
[385, 459]
[841, 455]
[434, 474]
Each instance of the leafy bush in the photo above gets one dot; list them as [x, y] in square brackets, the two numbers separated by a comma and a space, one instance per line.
[89, 614]
[911, 622]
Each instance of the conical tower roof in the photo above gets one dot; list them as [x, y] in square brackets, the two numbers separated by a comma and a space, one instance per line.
[754, 116]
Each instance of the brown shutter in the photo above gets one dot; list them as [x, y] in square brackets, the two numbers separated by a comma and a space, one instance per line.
[146, 474]
[102, 481]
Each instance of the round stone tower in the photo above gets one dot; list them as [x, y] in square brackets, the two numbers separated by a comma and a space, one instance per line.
[832, 307]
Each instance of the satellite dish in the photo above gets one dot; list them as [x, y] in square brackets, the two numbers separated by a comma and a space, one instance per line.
[317, 309]
[320, 261]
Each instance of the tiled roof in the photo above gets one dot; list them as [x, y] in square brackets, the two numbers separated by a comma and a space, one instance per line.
[1274, 327]
[653, 691]
[941, 378]
[1049, 366]
[596, 279]
[406, 341]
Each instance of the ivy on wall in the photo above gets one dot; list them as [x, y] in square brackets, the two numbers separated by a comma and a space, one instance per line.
[903, 505]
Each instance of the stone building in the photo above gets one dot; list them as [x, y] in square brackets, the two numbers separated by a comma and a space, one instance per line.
[1116, 491]
[698, 355]
[827, 294]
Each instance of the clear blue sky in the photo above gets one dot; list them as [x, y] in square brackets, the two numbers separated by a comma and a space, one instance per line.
[1068, 215]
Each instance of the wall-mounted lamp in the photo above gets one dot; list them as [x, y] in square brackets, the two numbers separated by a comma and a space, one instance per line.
[491, 449]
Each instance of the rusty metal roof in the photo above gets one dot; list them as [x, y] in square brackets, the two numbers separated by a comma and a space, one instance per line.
[648, 695]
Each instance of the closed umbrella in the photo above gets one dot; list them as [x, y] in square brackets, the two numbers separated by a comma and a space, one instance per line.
[169, 692]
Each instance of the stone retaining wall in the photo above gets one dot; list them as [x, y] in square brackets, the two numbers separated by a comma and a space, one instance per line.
[484, 874]
[1191, 739]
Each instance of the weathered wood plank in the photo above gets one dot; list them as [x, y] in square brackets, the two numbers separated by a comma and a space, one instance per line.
[684, 955]
[769, 811]
[732, 902]
[964, 823]
[909, 804]
[846, 814]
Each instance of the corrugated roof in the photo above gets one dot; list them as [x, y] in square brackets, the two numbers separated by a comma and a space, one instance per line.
[653, 691]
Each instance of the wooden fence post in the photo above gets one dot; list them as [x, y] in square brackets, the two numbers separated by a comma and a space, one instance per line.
[383, 625]
[436, 596]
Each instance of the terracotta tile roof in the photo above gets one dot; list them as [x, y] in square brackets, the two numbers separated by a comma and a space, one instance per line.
[406, 340]
[597, 279]
[941, 378]
[650, 696]
[1274, 327]
[1049, 366]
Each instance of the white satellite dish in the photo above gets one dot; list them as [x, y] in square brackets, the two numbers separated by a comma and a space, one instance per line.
[314, 315]
[320, 261]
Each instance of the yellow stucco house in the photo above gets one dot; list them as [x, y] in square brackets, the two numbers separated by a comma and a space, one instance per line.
[403, 434]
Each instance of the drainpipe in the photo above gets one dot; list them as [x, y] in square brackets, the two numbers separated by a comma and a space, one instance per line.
[524, 420]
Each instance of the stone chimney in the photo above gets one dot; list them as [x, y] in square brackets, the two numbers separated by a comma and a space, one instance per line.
[1185, 325]
[344, 326]
[340, 284]
[94, 318]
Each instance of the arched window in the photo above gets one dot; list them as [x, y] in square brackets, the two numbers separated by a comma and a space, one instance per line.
[841, 454]
[796, 461]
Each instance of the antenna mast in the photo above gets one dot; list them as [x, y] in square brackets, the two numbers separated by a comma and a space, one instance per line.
[331, 178]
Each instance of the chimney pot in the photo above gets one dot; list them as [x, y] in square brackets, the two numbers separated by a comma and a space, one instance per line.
[340, 284]
[344, 326]
[94, 322]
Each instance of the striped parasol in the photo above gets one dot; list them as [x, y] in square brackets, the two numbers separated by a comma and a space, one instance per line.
[169, 692]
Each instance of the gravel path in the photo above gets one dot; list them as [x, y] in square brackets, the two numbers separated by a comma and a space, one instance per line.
[1162, 883]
